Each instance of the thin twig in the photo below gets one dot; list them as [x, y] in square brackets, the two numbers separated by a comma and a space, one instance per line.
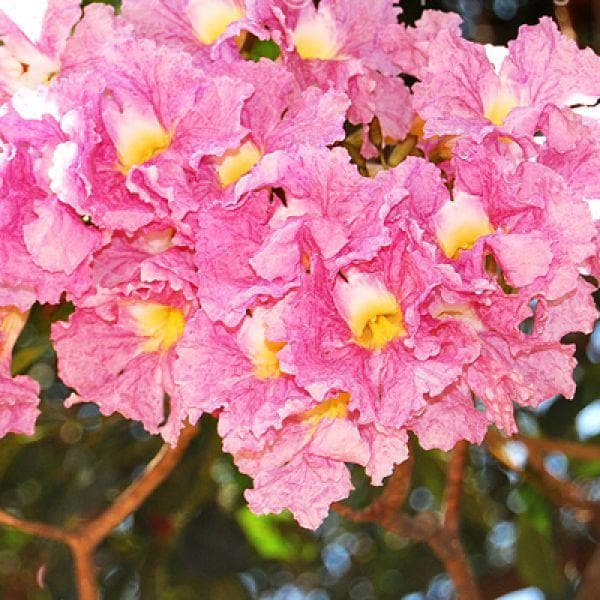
[85, 572]
[448, 548]
[389, 502]
[33, 527]
[396, 490]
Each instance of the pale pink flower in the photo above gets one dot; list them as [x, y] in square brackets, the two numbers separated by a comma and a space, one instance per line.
[461, 92]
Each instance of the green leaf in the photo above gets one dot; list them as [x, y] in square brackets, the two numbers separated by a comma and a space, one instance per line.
[538, 509]
[265, 534]
[264, 49]
[537, 561]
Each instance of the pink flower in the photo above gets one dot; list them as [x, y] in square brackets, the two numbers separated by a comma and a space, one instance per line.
[368, 331]
[155, 257]
[237, 371]
[540, 231]
[409, 47]
[208, 28]
[120, 356]
[327, 205]
[44, 245]
[301, 467]
[571, 147]
[18, 395]
[346, 33]
[133, 140]
[449, 418]
[30, 59]
[387, 98]
[227, 244]
[277, 116]
[471, 97]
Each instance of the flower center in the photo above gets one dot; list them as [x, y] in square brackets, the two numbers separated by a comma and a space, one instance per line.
[161, 325]
[210, 18]
[331, 408]
[315, 37]
[265, 360]
[12, 322]
[254, 342]
[381, 329]
[460, 223]
[371, 311]
[234, 164]
[499, 107]
[139, 139]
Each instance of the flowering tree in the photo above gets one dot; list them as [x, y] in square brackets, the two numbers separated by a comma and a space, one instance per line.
[249, 211]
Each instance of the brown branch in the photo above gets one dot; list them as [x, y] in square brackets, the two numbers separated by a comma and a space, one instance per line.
[442, 536]
[84, 540]
[448, 548]
[562, 492]
[396, 490]
[33, 527]
[454, 482]
[576, 450]
[85, 572]
[389, 502]
[563, 19]
[130, 500]
[590, 583]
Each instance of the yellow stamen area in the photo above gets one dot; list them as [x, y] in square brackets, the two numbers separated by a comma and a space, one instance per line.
[463, 237]
[332, 408]
[236, 163]
[315, 38]
[459, 224]
[140, 144]
[161, 325]
[210, 18]
[499, 108]
[265, 361]
[381, 330]
[12, 322]
[377, 322]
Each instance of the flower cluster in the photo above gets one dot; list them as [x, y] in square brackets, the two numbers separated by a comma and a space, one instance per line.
[322, 256]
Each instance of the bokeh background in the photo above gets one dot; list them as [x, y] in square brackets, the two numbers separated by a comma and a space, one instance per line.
[195, 539]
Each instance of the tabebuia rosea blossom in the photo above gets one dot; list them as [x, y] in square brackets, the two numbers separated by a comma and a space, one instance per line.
[255, 217]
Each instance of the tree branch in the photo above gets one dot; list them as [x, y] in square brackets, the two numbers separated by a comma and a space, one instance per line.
[590, 583]
[84, 540]
[442, 536]
[561, 492]
[454, 482]
[33, 527]
[85, 572]
[576, 450]
[132, 497]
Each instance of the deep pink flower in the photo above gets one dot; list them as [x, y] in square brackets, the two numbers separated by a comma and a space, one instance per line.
[369, 332]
